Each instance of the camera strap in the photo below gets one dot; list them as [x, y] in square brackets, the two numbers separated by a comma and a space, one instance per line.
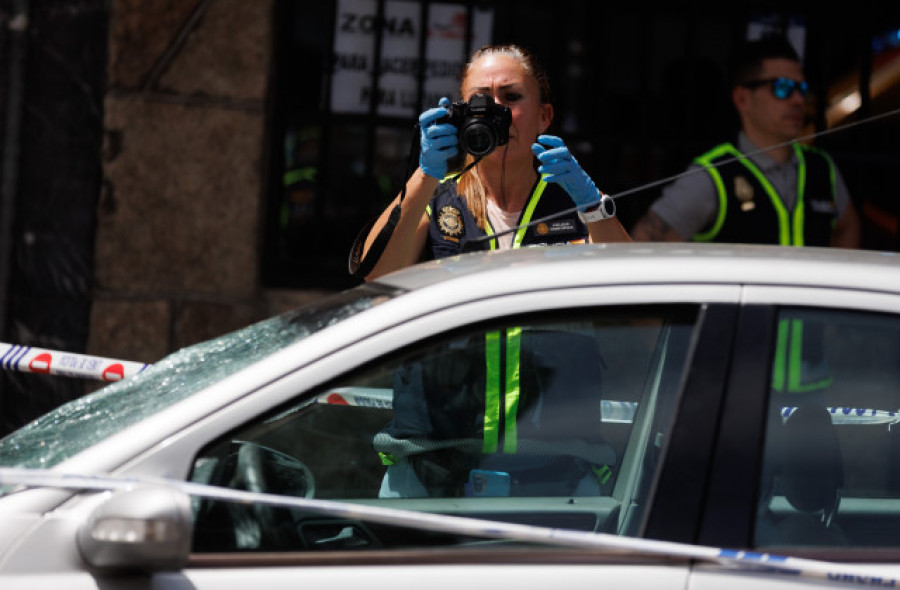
[360, 266]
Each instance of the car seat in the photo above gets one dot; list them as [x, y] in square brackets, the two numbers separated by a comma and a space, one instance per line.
[811, 479]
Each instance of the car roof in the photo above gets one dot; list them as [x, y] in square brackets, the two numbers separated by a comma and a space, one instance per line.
[657, 263]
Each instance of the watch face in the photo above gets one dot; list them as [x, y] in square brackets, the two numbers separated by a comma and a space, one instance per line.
[608, 205]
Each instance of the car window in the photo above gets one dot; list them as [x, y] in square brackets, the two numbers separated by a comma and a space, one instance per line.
[831, 473]
[80, 423]
[556, 421]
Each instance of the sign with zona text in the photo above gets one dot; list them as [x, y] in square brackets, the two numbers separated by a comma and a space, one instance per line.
[357, 29]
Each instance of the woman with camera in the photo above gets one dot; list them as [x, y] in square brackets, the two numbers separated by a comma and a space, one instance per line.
[443, 209]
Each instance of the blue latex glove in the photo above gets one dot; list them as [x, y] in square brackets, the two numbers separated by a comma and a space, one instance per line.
[561, 167]
[439, 141]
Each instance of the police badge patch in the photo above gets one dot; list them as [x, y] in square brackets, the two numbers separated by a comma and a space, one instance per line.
[450, 222]
[743, 190]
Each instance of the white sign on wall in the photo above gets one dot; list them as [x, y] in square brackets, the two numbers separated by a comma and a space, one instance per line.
[768, 24]
[354, 54]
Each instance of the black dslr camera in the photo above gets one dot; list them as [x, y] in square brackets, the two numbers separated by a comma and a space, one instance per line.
[482, 124]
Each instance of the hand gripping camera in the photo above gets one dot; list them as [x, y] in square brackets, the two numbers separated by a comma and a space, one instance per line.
[482, 124]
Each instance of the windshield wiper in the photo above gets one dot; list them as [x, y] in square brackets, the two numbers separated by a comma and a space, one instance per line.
[465, 526]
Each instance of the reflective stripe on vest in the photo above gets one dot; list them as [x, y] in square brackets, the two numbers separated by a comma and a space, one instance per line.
[790, 230]
[492, 352]
[501, 392]
[788, 369]
[524, 221]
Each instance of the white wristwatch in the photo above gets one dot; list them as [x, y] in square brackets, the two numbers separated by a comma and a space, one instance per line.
[606, 209]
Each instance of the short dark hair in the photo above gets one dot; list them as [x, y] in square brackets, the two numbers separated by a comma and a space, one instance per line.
[747, 61]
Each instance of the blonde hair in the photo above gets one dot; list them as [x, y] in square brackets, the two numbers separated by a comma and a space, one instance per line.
[470, 186]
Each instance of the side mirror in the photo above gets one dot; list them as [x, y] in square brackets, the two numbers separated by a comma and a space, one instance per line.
[146, 528]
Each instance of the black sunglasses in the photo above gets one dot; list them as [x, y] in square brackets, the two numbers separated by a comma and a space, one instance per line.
[782, 88]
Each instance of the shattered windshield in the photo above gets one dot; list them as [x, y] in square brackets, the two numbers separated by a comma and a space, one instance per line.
[80, 423]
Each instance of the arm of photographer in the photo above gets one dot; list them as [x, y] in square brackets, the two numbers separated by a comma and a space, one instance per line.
[596, 210]
[407, 241]
[438, 145]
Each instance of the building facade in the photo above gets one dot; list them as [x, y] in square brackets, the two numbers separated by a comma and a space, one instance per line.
[175, 169]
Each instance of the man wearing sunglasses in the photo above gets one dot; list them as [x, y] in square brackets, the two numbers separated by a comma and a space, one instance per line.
[763, 187]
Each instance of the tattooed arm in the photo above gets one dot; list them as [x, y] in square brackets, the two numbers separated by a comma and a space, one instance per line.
[651, 228]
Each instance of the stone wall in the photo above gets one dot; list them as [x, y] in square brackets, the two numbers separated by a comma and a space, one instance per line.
[178, 223]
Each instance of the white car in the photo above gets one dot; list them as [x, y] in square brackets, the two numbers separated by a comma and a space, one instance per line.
[644, 415]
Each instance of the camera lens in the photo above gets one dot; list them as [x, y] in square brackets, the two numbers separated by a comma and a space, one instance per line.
[478, 139]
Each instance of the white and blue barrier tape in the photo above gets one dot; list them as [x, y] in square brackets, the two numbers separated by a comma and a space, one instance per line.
[27, 359]
[857, 575]
[612, 410]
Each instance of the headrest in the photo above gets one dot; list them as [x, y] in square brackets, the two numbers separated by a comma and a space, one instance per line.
[812, 468]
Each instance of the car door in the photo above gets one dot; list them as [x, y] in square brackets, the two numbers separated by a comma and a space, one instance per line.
[560, 408]
[585, 399]
[806, 458]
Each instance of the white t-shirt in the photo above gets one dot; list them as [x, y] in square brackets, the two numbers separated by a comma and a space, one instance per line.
[501, 221]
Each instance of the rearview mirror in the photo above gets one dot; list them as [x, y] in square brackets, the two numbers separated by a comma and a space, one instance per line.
[147, 528]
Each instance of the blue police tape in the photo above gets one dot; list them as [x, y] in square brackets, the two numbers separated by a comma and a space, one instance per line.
[613, 411]
[15, 357]
[859, 416]
[452, 524]
[27, 359]
[375, 397]
[11, 356]
[760, 562]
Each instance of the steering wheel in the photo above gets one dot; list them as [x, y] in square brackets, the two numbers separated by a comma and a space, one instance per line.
[261, 469]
